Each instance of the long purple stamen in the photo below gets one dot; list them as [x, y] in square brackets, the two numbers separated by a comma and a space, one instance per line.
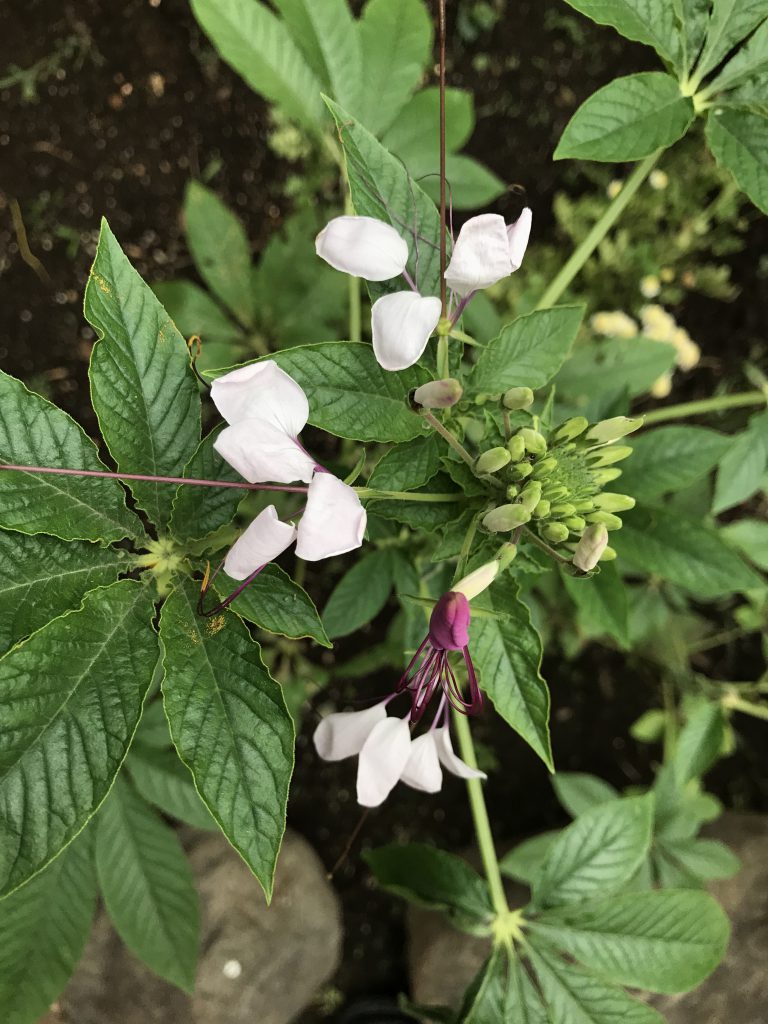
[461, 307]
[227, 601]
[59, 471]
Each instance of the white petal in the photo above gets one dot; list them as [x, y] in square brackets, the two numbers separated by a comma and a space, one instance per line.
[423, 770]
[478, 581]
[260, 452]
[265, 539]
[334, 521]
[452, 761]
[481, 255]
[401, 324]
[382, 760]
[262, 391]
[518, 235]
[343, 734]
[364, 247]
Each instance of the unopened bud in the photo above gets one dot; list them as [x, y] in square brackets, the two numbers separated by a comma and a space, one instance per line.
[609, 555]
[478, 581]
[556, 533]
[474, 430]
[506, 518]
[571, 428]
[521, 470]
[506, 554]
[610, 502]
[512, 491]
[563, 508]
[591, 546]
[518, 398]
[542, 509]
[516, 447]
[607, 456]
[438, 394]
[481, 399]
[611, 521]
[585, 505]
[545, 467]
[493, 460]
[531, 495]
[555, 491]
[606, 476]
[610, 430]
[575, 523]
[534, 442]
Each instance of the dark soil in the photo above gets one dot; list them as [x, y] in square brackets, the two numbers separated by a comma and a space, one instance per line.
[136, 106]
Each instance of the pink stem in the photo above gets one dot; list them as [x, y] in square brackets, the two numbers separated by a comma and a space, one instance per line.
[57, 471]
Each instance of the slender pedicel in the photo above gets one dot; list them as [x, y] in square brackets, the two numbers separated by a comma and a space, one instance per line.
[59, 471]
[227, 601]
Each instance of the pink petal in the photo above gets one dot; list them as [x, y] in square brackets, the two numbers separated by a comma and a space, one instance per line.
[481, 255]
[401, 324]
[423, 770]
[334, 521]
[452, 761]
[262, 391]
[364, 247]
[261, 452]
[343, 734]
[384, 756]
[263, 541]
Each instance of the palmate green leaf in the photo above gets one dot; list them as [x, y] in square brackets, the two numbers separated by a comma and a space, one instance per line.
[525, 861]
[692, 16]
[220, 249]
[671, 459]
[697, 860]
[350, 395]
[601, 603]
[382, 188]
[699, 744]
[33, 432]
[230, 725]
[360, 594]
[750, 536]
[143, 388]
[195, 313]
[739, 142]
[600, 367]
[425, 515]
[44, 577]
[200, 511]
[731, 21]
[750, 59]
[43, 930]
[574, 996]
[470, 183]
[166, 782]
[258, 46]
[661, 941]
[628, 119]
[147, 886]
[528, 352]
[276, 603]
[598, 853]
[396, 44]
[61, 746]
[434, 879]
[407, 465]
[506, 651]
[326, 30]
[661, 543]
[579, 792]
[741, 468]
[645, 21]
[485, 999]
[416, 132]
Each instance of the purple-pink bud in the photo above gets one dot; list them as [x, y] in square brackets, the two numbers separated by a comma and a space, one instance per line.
[449, 623]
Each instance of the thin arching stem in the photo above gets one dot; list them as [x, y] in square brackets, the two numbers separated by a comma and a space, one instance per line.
[441, 62]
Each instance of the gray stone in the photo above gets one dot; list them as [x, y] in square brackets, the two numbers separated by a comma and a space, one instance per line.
[257, 963]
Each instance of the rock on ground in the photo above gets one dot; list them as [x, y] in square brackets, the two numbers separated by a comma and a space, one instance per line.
[443, 961]
[257, 963]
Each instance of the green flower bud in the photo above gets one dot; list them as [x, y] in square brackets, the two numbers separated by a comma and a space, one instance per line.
[542, 510]
[556, 533]
[521, 470]
[609, 502]
[584, 505]
[516, 447]
[545, 467]
[518, 398]
[506, 554]
[564, 508]
[531, 494]
[535, 443]
[493, 460]
[474, 430]
[481, 399]
[438, 394]
[571, 428]
[609, 555]
[610, 430]
[607, 456]
[555, 491]
[506, 518]
[512, 491]
[591, 547]
[575, 523]
[605, 476]
[611, 521]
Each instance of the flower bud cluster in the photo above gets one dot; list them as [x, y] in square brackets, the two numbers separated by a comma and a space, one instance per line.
[555, 483]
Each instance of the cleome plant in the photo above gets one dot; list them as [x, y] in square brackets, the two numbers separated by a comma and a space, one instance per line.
[141, 602]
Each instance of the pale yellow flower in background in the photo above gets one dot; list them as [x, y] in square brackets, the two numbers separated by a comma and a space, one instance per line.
[658, 324]
[658, 180]
[614, 187]
[614, 324]
[688, 352]
[662, 386]
[650, 286]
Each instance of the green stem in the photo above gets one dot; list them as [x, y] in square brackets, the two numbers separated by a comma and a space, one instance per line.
[443, 362]
[670, 719]
[535, 539]
[704, 405]
[454, 442]
[747, 707]
[373, 492]
[601, 228]
[353, 286]
[480, 819]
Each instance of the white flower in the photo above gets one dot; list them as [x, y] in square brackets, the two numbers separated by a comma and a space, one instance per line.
[364, 247]
[591, 546]
[486, 251]
[401, 325]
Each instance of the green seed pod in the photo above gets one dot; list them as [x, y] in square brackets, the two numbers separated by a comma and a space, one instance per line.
[571, 428]
[607, 431]
[607, 456]
[584, 505]
[545, 467]
[575, 523]
[518, 398]
[563, 508]
[506, 518]
[535, 443]
[605, 476]
[607, 518]
[542, 510]
[556, 533]
[493, 460]
[521, 470]
[610, 502]
[512, 491]
[531, 495]
[506, 554]
[554, 492]
[516, 447]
